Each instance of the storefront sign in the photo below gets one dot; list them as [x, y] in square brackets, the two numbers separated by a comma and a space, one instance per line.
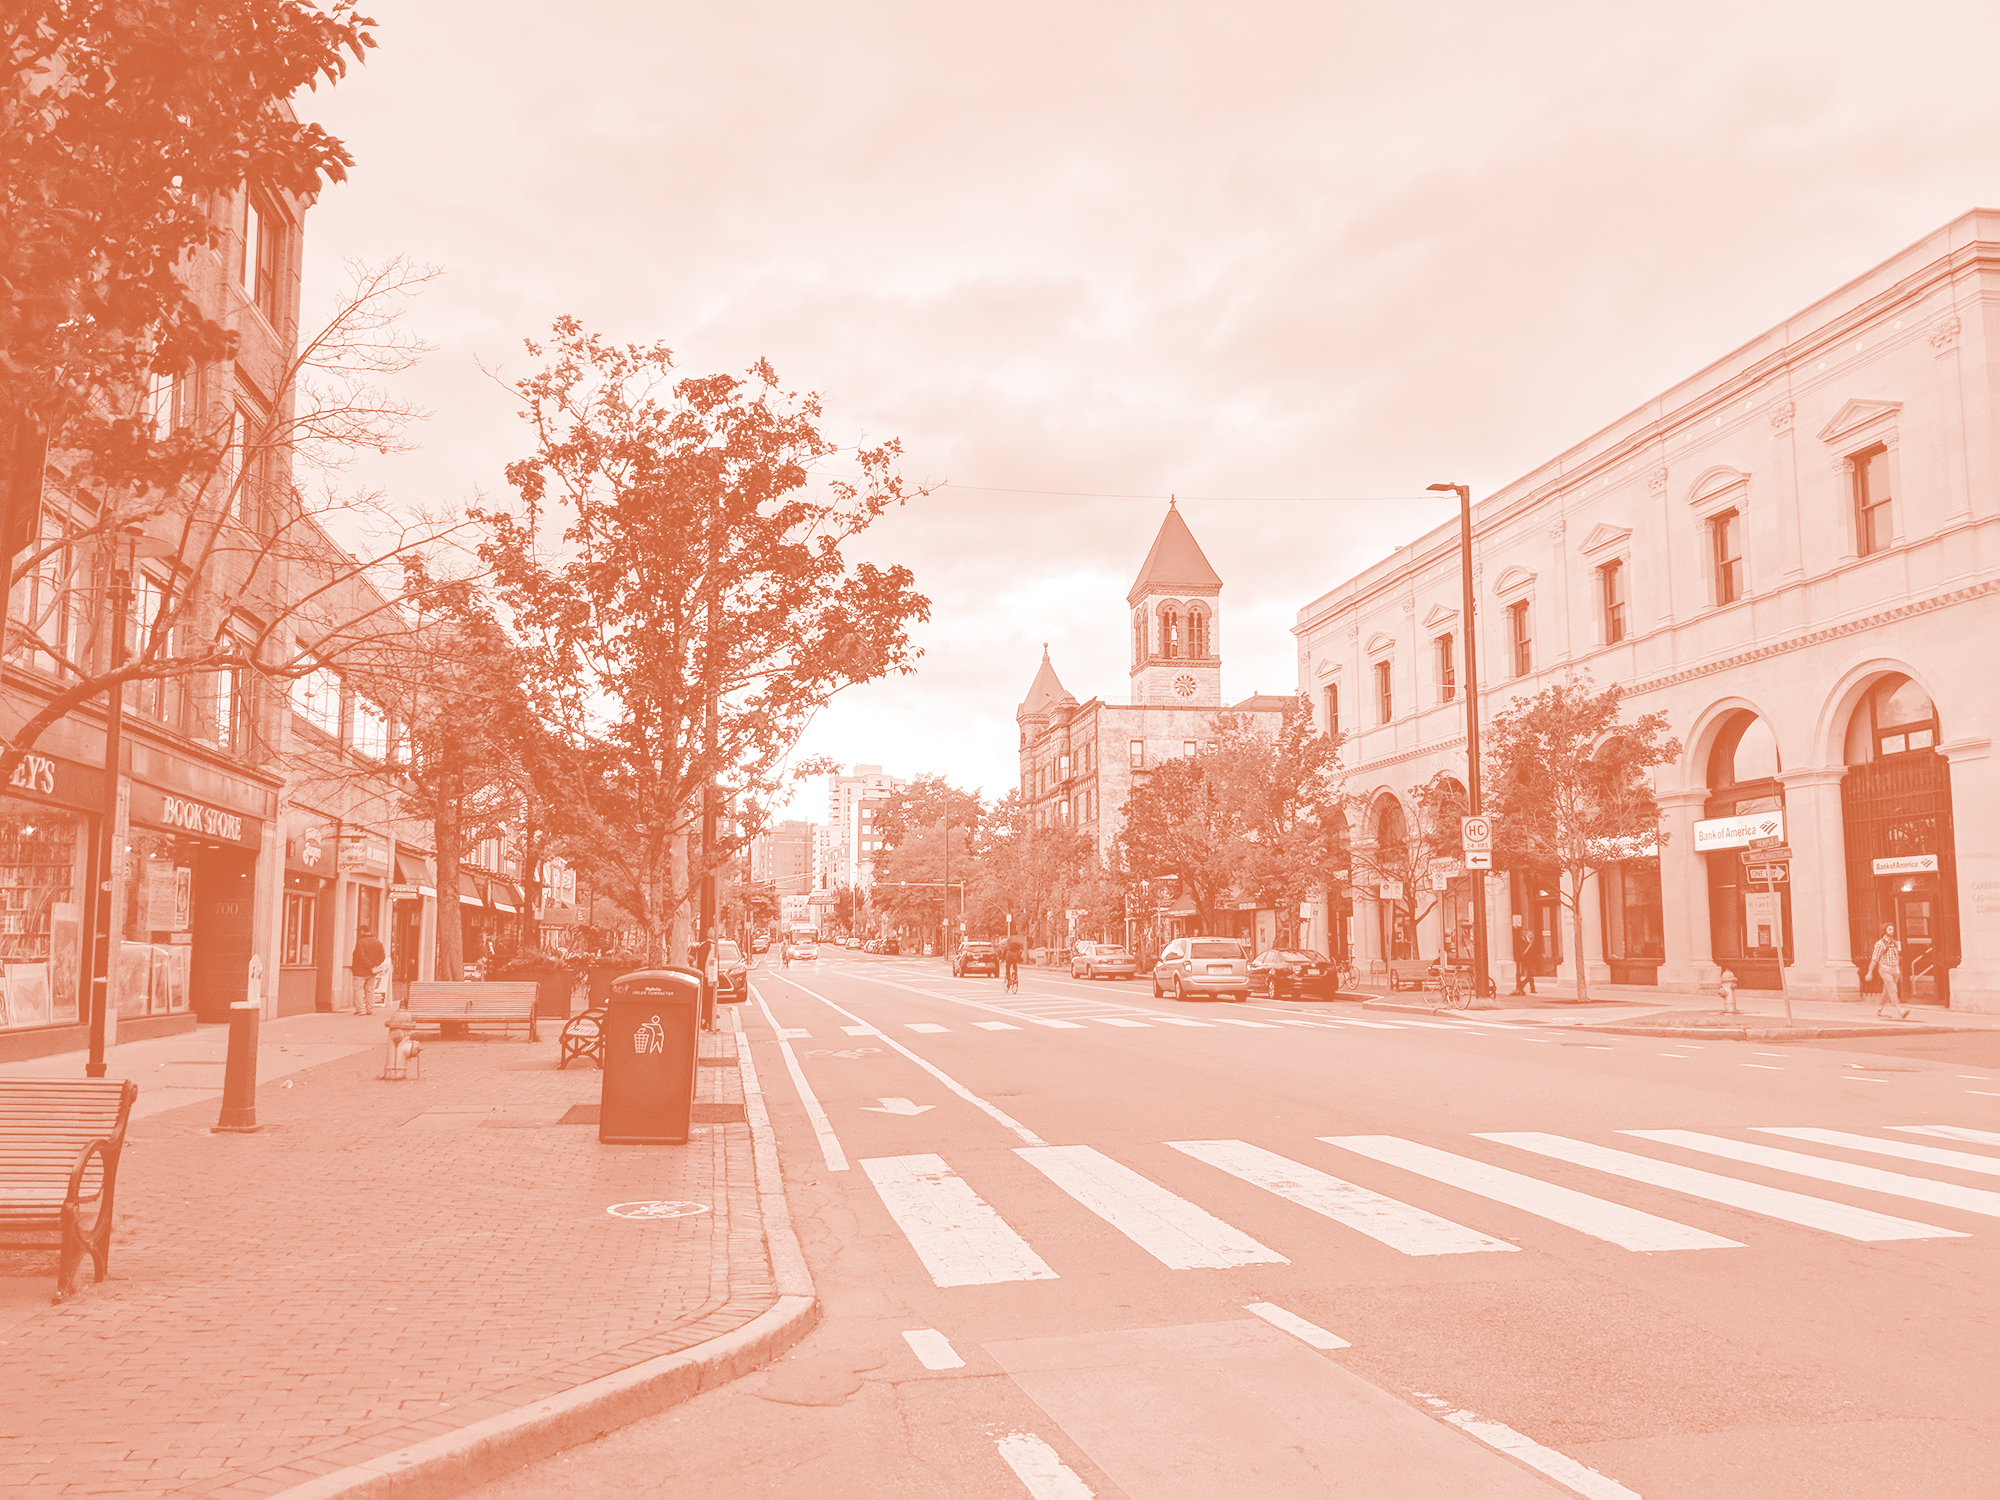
[64, 781]
[310, 852]
[1762, 920]
[1737, 832]
[1390, 890]
[178, 812]
[365, 854]
[1907, 864]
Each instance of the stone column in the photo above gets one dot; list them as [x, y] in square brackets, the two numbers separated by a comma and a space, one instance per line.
[1500, 933]
[1822, 963]
[1689, 964]
[1975, 804]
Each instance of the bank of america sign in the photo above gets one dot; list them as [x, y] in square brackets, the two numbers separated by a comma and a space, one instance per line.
[1738, 832]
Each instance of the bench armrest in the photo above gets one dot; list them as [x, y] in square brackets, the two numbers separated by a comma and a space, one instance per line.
[106, 1151]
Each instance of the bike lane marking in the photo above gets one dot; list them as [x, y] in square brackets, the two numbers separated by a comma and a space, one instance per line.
[829, 1143]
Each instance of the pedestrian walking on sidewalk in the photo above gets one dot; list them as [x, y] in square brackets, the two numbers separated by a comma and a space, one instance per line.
[1887, 961]
[1525, 944]
[367, 963]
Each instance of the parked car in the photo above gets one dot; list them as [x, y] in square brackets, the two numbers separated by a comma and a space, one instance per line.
[890, 946]
[806, 952]
[854, 942]
[1294, 974]
[1192, 967]
[976, 955]
[732, 974]
[760, 944]
[1102, 961]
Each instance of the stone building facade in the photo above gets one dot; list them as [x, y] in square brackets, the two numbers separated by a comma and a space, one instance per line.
[1795, 555]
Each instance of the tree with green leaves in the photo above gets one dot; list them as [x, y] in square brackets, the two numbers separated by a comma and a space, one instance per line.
[1281, 786]
[124, 130]
[675, 573]
[1568, 788]
[1025, 873]
[1181, 826]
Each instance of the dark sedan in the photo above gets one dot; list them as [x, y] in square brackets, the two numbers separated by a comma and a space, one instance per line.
[1294, 974]
[732, 975]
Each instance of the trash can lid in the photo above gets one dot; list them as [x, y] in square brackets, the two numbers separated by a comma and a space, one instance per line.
[656, 982]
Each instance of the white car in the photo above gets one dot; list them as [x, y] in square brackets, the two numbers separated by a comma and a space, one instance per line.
[803, 951]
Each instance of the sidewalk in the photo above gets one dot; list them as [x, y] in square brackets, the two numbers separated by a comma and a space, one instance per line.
[1654, 1012]
[394, 1288]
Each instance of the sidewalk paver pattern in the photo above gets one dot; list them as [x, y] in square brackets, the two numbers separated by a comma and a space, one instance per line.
[384, 1263]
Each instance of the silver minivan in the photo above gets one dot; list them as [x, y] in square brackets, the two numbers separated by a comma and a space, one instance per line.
[1192, 967]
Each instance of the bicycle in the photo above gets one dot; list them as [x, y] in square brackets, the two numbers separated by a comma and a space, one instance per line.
[1011, 977]
[1457, 990]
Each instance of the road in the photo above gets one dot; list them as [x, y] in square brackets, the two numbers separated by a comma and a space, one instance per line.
[1082, 1242]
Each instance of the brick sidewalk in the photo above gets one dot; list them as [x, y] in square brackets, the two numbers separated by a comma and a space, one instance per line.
[383, 1264]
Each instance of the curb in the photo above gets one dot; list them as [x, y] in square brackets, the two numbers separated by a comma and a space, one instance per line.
[1777, 1034]
[482, 1452]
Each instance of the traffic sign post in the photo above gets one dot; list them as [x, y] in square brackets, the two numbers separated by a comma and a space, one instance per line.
[1476, 836]
[1768, 863]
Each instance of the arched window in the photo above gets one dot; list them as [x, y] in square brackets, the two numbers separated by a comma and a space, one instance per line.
[1139, 636]
[1170, 633]
[1896, 718]
[1197, 633]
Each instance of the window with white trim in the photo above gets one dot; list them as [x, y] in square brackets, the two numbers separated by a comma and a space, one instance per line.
[371, 730]
[1446, 654]
[1385, 693]
[1725, 544]
[1611, 595]
[1873, 528]
[316, 699]
[1520, 638]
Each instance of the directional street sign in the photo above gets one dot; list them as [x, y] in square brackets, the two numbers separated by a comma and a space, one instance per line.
[1767, 854]
[1769, 874]
[1478, 859]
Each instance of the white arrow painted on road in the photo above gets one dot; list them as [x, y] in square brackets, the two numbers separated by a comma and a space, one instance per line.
[898, 1107]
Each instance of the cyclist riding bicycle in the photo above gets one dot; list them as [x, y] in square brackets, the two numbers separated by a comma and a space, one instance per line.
[1012, 951]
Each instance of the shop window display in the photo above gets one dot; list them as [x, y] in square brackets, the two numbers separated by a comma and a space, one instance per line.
[153, 960]
[42, 878]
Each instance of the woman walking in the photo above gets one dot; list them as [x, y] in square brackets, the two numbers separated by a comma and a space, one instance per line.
[1887, 961]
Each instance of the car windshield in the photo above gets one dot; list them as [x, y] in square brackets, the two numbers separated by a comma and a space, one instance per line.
[977, 948]
[1215, 950]
[1109, 953]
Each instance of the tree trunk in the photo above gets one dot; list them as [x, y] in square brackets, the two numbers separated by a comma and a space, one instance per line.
[1576, 935]
[451, 927]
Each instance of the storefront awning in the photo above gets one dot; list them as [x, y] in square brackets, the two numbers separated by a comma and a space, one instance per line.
[415, 872]
[469, 893]
[502, 894]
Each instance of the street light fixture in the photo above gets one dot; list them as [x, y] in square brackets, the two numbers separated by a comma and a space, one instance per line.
[1477, 880]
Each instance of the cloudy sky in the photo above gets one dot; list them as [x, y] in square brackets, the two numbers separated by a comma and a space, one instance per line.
[1291, 262]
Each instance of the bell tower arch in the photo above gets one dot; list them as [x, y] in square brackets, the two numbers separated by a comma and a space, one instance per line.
[1176, 622]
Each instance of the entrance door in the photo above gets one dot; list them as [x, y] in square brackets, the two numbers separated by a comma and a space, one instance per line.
[1548, 929]
[1924, 981]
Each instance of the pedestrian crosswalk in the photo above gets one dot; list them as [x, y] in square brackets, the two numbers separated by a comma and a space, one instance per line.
[963, 1239]
[1138, 1021]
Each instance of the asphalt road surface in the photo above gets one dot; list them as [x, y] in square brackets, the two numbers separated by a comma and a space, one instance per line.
[1077, 1241]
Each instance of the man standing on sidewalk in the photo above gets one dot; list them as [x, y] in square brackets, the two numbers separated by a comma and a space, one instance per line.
[368, 959]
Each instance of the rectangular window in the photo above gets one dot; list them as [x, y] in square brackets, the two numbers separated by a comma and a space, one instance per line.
[1726, 546]
[301, 913]
[1385, 700]
[1447, 669]
[1611, 588]
[1332, 696]
[1065, 812]
[1138, 754]
[371, 730]
[270, 231]
[1063, 772]
[1197, 634]
[1872, 530]
[1187, 747]
[316, 699]
[1520, 639]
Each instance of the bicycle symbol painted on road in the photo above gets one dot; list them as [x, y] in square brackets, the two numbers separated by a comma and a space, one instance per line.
[659, 1208]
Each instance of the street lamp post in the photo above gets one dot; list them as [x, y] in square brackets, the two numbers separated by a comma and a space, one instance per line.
[1478, 879]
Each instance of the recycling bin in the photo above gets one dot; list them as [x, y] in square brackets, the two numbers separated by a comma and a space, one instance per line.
[651, 1024]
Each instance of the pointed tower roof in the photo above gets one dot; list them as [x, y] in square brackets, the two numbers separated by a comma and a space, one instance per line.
[1047, 688]
[1176, 561]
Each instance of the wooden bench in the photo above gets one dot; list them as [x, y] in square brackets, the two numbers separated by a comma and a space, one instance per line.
[1411, 973]
[60, 1140]
[583, 1036]
[452, 1006]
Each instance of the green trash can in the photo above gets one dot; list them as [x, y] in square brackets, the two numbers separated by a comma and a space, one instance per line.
[651, 1029]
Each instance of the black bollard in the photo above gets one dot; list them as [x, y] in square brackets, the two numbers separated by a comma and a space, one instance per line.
[239, 1074]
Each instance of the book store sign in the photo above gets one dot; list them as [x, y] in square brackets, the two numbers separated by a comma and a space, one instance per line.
[64, 780]
[186, 815]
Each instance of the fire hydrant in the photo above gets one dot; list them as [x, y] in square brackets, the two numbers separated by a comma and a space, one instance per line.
[404, 1058]
[1727, 989]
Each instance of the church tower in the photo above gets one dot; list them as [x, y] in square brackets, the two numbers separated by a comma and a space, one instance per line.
[1176, 622]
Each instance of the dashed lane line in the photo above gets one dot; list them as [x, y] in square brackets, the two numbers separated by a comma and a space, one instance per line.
[1041, 1469]
[932, 1349]
[829, 1143]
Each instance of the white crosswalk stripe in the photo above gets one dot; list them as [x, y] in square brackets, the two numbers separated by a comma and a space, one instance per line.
[1593, 1216]
[1756, 1198]
[995, 1026]
[958, 1237]
[1400, 1226]
[1122, 1021]
[1937, 1156]
[1163, 1224]
[1953, 1133]
[1874, 1179]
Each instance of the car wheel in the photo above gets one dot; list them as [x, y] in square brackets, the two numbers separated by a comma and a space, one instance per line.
[1180, 990]
[1156, 986]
